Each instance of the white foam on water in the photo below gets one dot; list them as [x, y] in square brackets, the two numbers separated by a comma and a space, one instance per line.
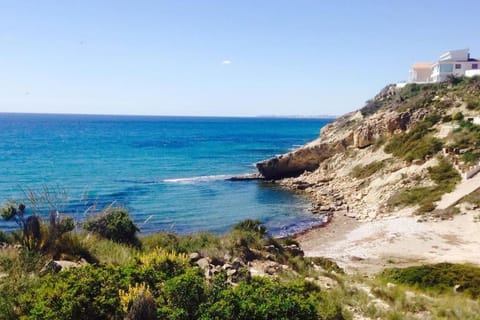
[199, 179]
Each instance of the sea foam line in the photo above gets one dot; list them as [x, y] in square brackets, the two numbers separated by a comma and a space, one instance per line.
[199, 179]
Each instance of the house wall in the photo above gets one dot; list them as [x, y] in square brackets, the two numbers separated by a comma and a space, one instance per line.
[472, 73]
[421, 74]
[439, 75]
[461, 54]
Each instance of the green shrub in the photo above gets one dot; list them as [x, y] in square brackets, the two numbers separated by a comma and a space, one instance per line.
[5, 237]
[473, 104]
[107, 251]
[84, 293]
[441, 277]
[466, 136]
[114, 224]
[262, 298]
[202, 241]
[325, 263]
[362, 172]
[458, 116]
[183, 295]
[447, 118]
[445, 177]
[470, 157]
[371, 106]
[143, 307]
[417, 143]
[30, 229]
[250, 225]
[426, 207]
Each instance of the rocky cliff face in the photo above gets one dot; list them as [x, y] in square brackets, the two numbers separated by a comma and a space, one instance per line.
[356, 129]
[346, 168]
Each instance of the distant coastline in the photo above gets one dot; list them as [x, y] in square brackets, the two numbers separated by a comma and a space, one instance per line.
[327, 117]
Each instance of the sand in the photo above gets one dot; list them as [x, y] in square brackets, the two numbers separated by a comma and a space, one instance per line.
[369, 247]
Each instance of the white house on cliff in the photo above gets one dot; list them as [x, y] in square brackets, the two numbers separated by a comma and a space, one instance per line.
[454, 62]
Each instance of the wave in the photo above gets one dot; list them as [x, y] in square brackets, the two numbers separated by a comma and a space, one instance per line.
[199, 179]
[295, 147]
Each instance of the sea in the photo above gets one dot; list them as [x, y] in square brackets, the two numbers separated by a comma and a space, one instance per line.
[169, 172]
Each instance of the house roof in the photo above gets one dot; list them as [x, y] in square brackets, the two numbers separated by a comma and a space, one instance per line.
[422, 65]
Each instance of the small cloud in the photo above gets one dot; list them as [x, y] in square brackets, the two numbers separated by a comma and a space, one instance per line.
[226, 62]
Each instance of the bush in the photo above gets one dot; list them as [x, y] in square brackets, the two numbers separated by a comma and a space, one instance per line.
[84, 293]
[244, 236]
[441, 277]
[325, 263]
[250, 225]
[458, 116]
[416, 143]
[114, 224]
[262, 298]
[470, 157]
[362, 172]
[473, 104]
[444, 175]
[197, 242]
[183, 295]
[447, 118]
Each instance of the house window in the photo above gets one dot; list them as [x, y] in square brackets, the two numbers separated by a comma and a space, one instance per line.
[458, 66]
[446, 67]
[474, 65]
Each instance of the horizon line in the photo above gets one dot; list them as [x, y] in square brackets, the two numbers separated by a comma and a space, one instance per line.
[178, 116]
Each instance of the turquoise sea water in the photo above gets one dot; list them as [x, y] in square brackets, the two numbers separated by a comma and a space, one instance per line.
[169, 171]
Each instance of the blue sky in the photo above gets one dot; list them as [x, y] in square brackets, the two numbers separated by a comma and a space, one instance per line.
[224, 58]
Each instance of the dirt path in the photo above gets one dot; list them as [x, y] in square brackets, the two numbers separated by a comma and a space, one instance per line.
[462, 189]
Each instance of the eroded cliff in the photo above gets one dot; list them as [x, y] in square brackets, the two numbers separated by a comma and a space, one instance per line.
[374, 161]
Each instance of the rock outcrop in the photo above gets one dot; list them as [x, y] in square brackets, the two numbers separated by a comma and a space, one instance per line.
[347, 169]
[352, 130]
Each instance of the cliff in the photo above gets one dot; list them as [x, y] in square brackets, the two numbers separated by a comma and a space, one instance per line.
[367, 159]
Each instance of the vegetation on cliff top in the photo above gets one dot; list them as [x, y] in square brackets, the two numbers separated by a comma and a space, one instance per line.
[417, 143]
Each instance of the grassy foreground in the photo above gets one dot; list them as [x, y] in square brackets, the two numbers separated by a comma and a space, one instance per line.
[113, 274]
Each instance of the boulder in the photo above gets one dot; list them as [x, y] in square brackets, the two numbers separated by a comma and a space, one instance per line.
[294, 250]
[238, 263]
[55, 266]
[227, 266]
[203, 263]
[194, 256]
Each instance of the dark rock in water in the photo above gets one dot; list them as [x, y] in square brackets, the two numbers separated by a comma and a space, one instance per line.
[246, 177]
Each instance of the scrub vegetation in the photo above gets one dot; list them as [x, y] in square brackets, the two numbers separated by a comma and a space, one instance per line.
[445, 177]
[160, 278]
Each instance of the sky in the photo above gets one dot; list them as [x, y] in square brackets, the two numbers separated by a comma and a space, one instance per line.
[218, 58]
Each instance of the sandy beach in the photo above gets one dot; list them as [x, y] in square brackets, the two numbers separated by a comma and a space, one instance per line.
[369, 247]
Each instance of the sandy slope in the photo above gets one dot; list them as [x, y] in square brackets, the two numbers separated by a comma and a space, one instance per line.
[371, 246]
[461, 190]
